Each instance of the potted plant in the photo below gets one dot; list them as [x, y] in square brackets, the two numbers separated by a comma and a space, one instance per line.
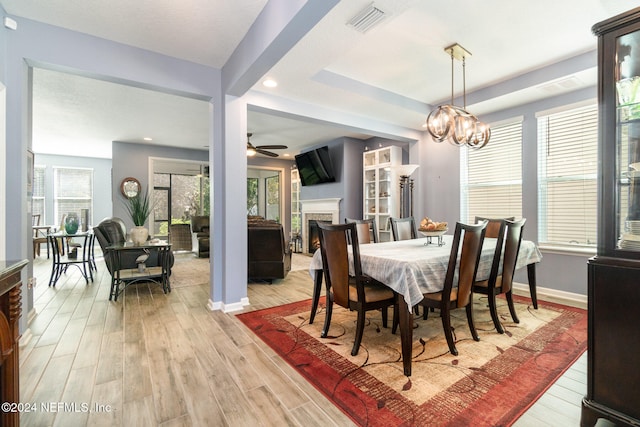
[139, 208]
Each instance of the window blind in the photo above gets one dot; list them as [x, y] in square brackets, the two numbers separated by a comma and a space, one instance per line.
[492, 176]
[73, 191]
[567, 177]
[37, 198]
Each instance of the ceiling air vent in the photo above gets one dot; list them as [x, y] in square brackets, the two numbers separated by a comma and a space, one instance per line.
[367, 18]
[562, 85]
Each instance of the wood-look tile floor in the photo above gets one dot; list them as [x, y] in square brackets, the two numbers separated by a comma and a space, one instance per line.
[151, 359]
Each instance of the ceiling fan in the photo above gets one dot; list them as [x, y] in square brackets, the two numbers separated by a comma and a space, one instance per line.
[262, 149]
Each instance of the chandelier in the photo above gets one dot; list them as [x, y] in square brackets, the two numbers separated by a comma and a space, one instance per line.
[455, 124]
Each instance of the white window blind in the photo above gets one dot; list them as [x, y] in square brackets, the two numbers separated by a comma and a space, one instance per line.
[73, 191]
[492, 176]
[567, 177]
[38, 196]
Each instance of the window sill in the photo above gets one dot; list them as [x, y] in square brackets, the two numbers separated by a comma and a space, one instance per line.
[567, 250]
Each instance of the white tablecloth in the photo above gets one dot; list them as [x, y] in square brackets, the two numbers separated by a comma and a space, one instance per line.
[412, 267]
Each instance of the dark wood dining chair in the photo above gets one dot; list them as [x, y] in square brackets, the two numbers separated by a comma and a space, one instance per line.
[504, 266]
[367, 229]
[39, 236]
[463, 268]
[356, 292]
[493, 225]
[403, 228]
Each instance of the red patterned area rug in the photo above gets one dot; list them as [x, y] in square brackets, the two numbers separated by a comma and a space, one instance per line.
[490, 383]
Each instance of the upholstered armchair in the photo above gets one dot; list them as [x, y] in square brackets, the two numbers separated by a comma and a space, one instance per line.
[113, 231]
[200, 235]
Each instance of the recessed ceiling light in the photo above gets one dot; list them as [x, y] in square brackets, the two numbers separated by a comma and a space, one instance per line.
[270, 83]
[286, 154]
[146, 138]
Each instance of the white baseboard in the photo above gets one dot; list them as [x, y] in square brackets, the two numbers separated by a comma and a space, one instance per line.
[25, 338]
[27, 334]
[553, 295]
[31, 315]
[213, 306]
[228, 308]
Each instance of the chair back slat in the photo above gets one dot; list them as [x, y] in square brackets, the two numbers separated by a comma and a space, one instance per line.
[366, 228]
[493, 225]
[403, 228]
[512, 240]
[472, 237]
[335, 258]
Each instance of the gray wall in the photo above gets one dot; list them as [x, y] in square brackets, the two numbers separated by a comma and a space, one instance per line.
[101, 184]
[437, 187]
[561, 271]
[346, 157]
[330, 189]
[133, 160]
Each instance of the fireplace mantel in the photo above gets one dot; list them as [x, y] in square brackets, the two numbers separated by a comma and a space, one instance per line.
[326, 209]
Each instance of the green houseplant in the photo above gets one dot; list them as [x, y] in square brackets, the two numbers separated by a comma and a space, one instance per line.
[139, 208]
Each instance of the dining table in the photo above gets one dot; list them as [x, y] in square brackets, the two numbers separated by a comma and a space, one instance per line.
[415, 267]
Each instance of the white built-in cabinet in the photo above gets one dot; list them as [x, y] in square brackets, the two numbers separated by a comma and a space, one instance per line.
[381, 188]
[296, 209]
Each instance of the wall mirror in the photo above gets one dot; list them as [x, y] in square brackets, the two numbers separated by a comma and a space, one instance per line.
[130, 187]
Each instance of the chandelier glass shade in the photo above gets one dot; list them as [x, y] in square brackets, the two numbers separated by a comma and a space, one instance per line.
[456, 124]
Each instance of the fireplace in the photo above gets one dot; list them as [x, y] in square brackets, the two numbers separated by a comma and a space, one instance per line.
[314, 234]
[323, 210]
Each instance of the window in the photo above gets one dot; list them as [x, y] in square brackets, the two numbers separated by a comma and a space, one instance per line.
[252, 196]
[272, 185]
[177, 198]
[73, 191]
[38, 196]
[492, 176]
[567, 176]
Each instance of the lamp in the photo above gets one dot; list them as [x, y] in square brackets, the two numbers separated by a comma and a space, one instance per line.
[455, 124]
[406, 188]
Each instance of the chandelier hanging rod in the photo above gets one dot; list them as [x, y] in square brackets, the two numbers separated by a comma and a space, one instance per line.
[455, 124]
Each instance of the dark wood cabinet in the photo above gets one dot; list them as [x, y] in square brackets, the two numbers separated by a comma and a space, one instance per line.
[10, 310]
[613, 378]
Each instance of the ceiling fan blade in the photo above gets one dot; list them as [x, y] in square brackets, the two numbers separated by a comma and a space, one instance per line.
[273, 147]
[266, 153]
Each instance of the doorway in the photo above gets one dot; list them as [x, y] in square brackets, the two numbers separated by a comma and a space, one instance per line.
[265, 193]
[180, 191]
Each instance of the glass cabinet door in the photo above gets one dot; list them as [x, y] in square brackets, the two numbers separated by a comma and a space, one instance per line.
[627, 84]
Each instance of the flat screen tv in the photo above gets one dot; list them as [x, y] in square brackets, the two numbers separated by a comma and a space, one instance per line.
[314, 167]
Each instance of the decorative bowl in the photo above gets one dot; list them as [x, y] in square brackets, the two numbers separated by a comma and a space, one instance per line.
[433, 233]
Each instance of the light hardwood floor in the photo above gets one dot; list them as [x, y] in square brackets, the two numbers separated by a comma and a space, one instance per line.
[151, 359]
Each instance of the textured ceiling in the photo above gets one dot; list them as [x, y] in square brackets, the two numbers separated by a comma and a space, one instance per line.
[393, 73]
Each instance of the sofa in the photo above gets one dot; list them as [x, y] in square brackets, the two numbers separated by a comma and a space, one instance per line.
[269, 255]
[112, 231]
[200, 235]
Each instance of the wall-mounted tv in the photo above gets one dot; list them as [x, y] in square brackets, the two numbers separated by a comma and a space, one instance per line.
[314, 167]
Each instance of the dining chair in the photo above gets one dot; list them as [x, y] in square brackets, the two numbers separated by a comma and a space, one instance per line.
[500, 279]
[39, 236]
[403, 228]
[366, 228]
[458, 284]
[356, 291]
[493, 225]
